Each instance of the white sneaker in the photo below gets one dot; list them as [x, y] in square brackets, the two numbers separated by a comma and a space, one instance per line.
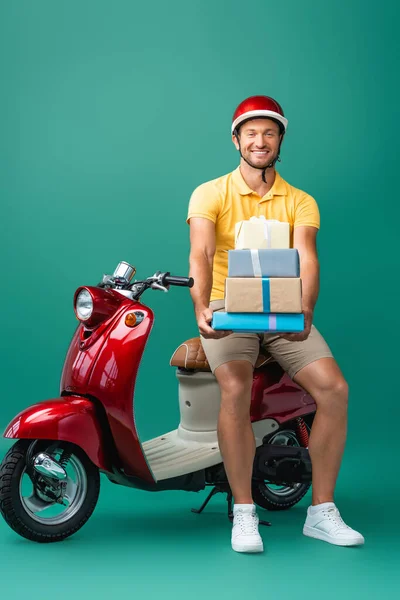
[245, 536]
[326, 524]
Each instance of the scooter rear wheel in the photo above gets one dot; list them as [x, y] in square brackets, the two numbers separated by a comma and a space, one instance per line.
[279, 497]
[26, 501]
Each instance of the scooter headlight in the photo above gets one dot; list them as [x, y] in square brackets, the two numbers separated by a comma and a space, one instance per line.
[84, 305]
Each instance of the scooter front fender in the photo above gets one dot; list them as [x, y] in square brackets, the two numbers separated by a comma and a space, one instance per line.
[68, 419]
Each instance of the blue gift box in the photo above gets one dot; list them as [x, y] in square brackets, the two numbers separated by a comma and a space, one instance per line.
[258, 322]
[273, 262]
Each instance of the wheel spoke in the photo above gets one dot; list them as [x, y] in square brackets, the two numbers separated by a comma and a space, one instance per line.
[35, 504]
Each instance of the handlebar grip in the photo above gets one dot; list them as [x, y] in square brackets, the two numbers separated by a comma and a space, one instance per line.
[182, 281]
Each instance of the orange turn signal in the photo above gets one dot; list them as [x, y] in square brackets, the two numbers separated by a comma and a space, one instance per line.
[130, 320]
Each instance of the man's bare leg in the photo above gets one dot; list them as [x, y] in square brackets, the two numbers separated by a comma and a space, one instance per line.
[324, 381]
[235, 434]
[237, 445]
[326, 384]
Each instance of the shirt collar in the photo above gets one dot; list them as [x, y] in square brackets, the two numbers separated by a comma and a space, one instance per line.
[278, 189]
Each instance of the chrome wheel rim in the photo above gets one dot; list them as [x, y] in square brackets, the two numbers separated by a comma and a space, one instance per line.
[284, 438]
[50, 512]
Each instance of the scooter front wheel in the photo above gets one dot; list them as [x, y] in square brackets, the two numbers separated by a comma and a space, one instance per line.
[42, 508]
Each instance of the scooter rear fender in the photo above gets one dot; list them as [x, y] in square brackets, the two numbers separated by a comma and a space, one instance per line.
[68, 419]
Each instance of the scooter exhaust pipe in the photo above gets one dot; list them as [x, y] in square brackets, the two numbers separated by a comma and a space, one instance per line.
[47, 466]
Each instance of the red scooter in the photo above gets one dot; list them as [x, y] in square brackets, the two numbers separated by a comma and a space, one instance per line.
[50, 478]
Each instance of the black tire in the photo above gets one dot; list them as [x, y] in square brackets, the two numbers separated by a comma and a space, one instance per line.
[13, 510]
[265, 497]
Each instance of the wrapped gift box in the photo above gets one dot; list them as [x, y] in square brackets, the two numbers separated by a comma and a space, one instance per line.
[258, 323]
[263, 295]
[259, 232]
[282, 262]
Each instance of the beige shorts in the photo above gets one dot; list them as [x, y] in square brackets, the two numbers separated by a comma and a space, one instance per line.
[292, 356]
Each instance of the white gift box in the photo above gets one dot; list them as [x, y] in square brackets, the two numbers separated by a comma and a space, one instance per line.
[260, 233]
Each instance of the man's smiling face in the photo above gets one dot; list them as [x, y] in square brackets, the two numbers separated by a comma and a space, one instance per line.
[259, 141]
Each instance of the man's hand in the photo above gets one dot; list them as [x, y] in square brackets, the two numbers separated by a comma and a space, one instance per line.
[303, 335]
[204, 319]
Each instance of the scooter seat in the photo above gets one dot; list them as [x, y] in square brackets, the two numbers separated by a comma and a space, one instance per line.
[190, 356]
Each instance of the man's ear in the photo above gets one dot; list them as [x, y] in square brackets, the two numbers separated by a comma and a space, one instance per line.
[235, 141]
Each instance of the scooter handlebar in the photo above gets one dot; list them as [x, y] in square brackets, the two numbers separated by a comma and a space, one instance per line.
[175, 280]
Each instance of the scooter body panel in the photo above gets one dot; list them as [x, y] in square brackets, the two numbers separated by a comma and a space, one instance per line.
[83, 351]
[113, 380]
[104, 365]
[275, 395]
[68, 419]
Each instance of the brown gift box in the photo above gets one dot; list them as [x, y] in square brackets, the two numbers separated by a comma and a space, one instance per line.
[263, 295]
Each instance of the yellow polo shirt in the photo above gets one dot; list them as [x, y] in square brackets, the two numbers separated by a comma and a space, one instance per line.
[228, 199]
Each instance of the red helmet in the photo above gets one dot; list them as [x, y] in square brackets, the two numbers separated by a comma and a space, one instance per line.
[256, 107]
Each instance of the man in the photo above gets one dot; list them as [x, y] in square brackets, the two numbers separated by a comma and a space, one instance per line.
[255, 188]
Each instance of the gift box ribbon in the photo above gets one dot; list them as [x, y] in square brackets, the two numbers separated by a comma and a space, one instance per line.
[266, 295]
[267, 224]
[255, 259]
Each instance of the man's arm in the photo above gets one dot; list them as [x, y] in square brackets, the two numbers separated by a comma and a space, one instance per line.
[305, 240]
[201, 259]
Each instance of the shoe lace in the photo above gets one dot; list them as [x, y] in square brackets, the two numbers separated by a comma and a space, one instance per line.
[248, 523]
[334, 516]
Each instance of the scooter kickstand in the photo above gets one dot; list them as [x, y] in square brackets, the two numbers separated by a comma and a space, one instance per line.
[229, 499]
[267, 523]
[214, 491]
